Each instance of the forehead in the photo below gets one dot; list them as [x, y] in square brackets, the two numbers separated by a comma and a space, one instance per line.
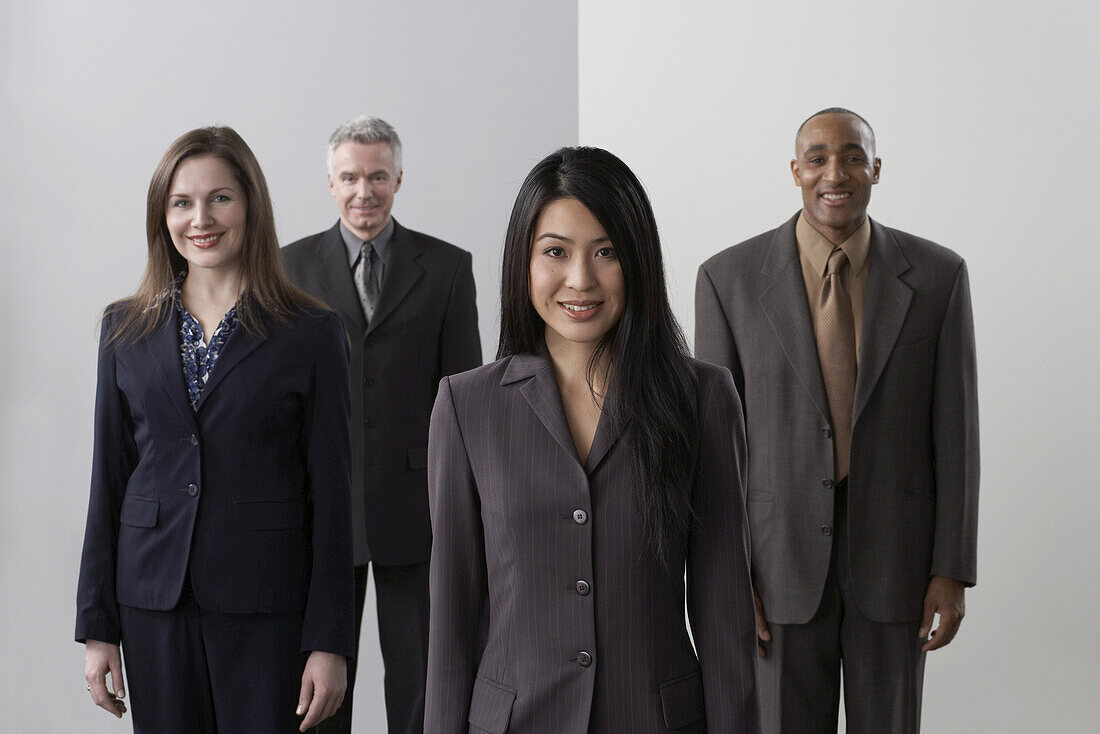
[834, 131]
[363, 156]
[203, 171]
[570, 218]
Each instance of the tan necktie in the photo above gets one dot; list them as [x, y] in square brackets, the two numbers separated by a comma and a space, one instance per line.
[836, 350]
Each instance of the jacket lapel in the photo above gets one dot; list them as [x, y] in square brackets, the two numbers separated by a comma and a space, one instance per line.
[402, 272]
[240, 344]
[607, 433]
[884, 310]
[164, 352]
[335, 277]
[784, 305]
[541, 392]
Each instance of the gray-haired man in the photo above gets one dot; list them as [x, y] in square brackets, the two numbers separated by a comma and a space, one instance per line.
[407, 300]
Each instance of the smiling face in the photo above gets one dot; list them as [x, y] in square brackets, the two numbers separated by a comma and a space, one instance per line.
[206, 214]
[363, 182]
[835, 168]
[576, 282]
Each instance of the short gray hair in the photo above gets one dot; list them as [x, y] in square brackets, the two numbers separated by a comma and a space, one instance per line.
[366, 129]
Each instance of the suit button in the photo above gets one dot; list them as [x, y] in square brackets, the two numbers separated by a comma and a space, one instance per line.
[368, 382]
[828, 483]
[584, 659]
[580, 517]
[192, 490]
[370, 423]
[827, 432]
[194, 440]
[583, 588]
[826, 530]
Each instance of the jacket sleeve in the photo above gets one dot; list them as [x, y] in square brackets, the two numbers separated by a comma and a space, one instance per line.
[459, 340]
[719, 592]
[459, 587]
[714, 340]
[329, 622]
[955, 439]
[114, 457]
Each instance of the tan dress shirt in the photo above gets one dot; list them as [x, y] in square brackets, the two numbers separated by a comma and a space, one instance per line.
[813, 252]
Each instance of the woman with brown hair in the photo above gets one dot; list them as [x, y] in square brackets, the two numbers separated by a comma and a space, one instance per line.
[217, 548]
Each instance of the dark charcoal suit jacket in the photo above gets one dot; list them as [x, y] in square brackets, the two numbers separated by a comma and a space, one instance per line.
[518, 644]
[248, 494]
[913, 482]
[424, 327]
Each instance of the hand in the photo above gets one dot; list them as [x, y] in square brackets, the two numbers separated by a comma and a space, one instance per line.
[761, 625]
[323, 684]
[101, 658]
[947, 598]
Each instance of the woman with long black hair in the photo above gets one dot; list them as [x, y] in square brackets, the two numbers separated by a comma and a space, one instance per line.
[575, 480]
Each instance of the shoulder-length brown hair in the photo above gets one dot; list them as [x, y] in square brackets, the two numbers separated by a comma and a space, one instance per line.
[268, 292]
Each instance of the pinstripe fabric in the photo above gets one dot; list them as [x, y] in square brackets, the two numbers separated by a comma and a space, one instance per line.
[511, 627]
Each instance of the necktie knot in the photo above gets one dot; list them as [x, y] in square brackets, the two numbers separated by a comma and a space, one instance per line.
[837, 260]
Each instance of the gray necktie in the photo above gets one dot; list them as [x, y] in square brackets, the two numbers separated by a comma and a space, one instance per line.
[836, 350]
[366, 279]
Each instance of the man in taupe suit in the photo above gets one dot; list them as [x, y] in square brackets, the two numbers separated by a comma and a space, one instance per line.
[407, 301]
[852, 346]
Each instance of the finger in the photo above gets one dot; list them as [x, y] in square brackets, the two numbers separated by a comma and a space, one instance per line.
[102, 698]
[117, 683]
[761, 651]
[761, 623]
[945, 632]
[305, 696]
[313, 715]
[926, 620]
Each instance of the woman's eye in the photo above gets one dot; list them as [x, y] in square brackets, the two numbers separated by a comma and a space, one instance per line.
[221, 197]
[180, 203]
[554, 252]
[605, 252]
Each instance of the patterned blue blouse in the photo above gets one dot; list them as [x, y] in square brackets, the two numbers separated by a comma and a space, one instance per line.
[198, 358]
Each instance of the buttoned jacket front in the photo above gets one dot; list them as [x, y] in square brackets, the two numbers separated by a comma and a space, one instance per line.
[549, 612]
[246, 494]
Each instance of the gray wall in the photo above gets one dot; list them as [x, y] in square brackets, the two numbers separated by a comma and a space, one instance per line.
[93, 93]
[986, 115]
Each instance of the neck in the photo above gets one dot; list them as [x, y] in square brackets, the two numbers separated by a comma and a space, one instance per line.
[367, 234]
[839, 236]
[203, 286]
[570, 361]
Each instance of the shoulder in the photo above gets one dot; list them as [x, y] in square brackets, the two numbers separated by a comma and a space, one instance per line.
[710, 377]
[479, 381]
[435, 248]
[305, 248]
[749, 253]
[921, 252]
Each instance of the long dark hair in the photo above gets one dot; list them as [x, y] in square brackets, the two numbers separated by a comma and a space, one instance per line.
[268, 290]
[651, 383]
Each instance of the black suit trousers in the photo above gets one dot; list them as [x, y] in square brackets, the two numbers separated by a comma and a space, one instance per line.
[402, 593]
[186, 671]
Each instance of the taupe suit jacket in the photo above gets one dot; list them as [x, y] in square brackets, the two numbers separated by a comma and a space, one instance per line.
[913, 482]
[518, 644]
[424, 327]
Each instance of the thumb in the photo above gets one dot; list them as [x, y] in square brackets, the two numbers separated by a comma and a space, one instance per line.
[926, 620]
[115, 665]
[761, 623]
[306, 696]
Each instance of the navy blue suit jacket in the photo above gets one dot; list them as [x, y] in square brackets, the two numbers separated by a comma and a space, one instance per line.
[247, 494]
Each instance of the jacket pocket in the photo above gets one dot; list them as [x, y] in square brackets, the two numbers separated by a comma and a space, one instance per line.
[418, 458]
[491, 706]
[682, 700]
[270, 515]
[139, 512]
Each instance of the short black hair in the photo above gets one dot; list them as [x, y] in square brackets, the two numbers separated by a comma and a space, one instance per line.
[836, 111]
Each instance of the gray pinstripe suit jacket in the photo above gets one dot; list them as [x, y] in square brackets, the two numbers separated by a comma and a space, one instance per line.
[517, 644]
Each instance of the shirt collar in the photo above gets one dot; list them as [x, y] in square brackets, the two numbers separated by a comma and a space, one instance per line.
[816, 248]
[354, 244]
